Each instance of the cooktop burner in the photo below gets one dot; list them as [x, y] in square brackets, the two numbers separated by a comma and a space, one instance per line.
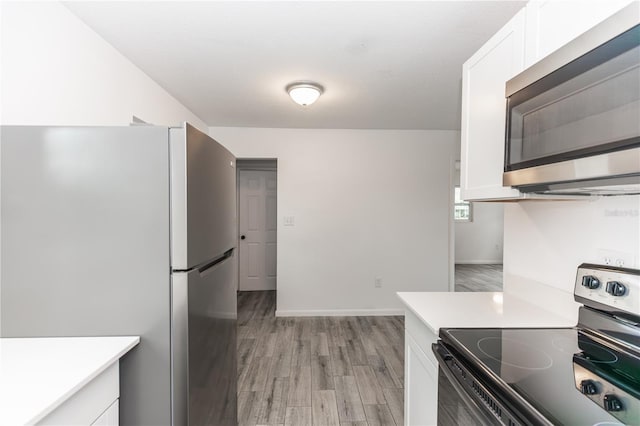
[538, 364]
[521, 355]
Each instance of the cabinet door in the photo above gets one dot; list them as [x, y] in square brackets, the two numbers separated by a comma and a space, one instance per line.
[553, 23]
[484, 110]
[421, 386]
[111, 417]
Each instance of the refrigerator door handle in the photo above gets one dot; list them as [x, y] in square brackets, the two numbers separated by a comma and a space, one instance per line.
[205, 269]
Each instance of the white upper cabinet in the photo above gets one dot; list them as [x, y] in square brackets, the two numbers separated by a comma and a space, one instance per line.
[553, 23]
[484, 112]
[537, 30]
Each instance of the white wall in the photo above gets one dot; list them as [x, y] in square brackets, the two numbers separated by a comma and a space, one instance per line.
[367, 204]
[545, 241]
[481, 241]
[58, 71]
[54, 70]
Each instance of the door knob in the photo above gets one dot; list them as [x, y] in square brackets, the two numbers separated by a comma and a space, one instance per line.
[242, 237]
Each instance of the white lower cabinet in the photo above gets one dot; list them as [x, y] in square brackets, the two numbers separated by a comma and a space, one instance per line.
[111, 417]
[421, 386]
[96, 403]
[421, 374]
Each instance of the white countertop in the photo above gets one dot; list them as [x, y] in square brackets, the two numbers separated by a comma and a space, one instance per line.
[38, 374]
[481, 309]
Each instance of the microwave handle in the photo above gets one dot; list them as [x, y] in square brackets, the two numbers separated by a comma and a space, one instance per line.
[479, 413]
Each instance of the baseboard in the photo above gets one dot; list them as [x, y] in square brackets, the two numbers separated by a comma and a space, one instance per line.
[257, 289]
[479, 262]
[339, 312]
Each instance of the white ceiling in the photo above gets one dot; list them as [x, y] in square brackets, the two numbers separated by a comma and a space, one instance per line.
[384, 65]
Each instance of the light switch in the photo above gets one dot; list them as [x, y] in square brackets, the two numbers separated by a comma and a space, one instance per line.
[289, 221]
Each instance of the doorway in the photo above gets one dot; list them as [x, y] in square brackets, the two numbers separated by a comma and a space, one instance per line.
[257, 224]
[478, 234]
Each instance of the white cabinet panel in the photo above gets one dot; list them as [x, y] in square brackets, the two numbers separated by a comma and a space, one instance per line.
[421, 386]
[111, 417]
[484, 110]
[553, 23]
[421, 373]
[86, 405]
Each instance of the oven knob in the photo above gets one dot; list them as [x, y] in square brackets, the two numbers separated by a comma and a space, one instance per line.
[590, 281]
[612, 403]
[615, 288]
[588, 387]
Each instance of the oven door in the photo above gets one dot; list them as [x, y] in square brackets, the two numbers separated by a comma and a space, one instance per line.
[463, 399]
[455, 406]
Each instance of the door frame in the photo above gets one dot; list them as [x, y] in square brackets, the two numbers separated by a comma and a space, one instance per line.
[255, 164]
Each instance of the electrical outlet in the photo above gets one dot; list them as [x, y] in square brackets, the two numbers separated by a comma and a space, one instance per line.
[289, 221]
[615, 258]
[377, 282]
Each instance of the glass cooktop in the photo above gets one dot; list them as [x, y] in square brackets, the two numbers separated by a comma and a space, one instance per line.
[569, 377]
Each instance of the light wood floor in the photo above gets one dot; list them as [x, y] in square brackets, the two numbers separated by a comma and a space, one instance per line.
[317, 370]
[478, 277]
[327, 370]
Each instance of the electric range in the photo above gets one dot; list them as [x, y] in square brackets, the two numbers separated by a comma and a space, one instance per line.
[586, 375]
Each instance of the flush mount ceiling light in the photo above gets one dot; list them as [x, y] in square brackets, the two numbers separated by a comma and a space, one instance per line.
[304, 93]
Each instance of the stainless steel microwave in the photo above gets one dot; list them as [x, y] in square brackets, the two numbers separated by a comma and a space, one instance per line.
[573, 118]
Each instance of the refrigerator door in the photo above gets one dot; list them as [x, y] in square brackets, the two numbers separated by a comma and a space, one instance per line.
[203, 198]
[204, 344]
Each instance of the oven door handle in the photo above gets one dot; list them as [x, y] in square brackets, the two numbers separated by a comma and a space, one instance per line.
[443, 356]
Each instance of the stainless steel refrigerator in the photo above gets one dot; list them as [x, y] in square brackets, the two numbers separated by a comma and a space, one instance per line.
[127, 231]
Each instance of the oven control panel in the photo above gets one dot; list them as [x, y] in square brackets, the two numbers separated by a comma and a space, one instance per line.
[607, 287]
[617, 401]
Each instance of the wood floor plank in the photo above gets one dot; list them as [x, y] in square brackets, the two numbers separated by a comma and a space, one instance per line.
[370, 391]
[320, 324]
[348, 329]
[299, 387]
[246, 348]
[274, 401]
[321, 373]
[243, 369]
[393, 360]
[349, 359]
[324, 408]
[356, 352]
[379, 415]
[368, 343]
[340, 361]
[301, 354]
[266, 343]
[364, 324]
[298, 416]
[256, 375]
[381, 336]
[395, 402]
[320, 344]
[281, 362]
[307, 328]
[249, 405]
[386, 377]
[478, 277]
[335, 333]
[350, 407]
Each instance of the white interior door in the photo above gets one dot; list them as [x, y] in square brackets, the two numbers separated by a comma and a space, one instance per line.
[258, 223]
